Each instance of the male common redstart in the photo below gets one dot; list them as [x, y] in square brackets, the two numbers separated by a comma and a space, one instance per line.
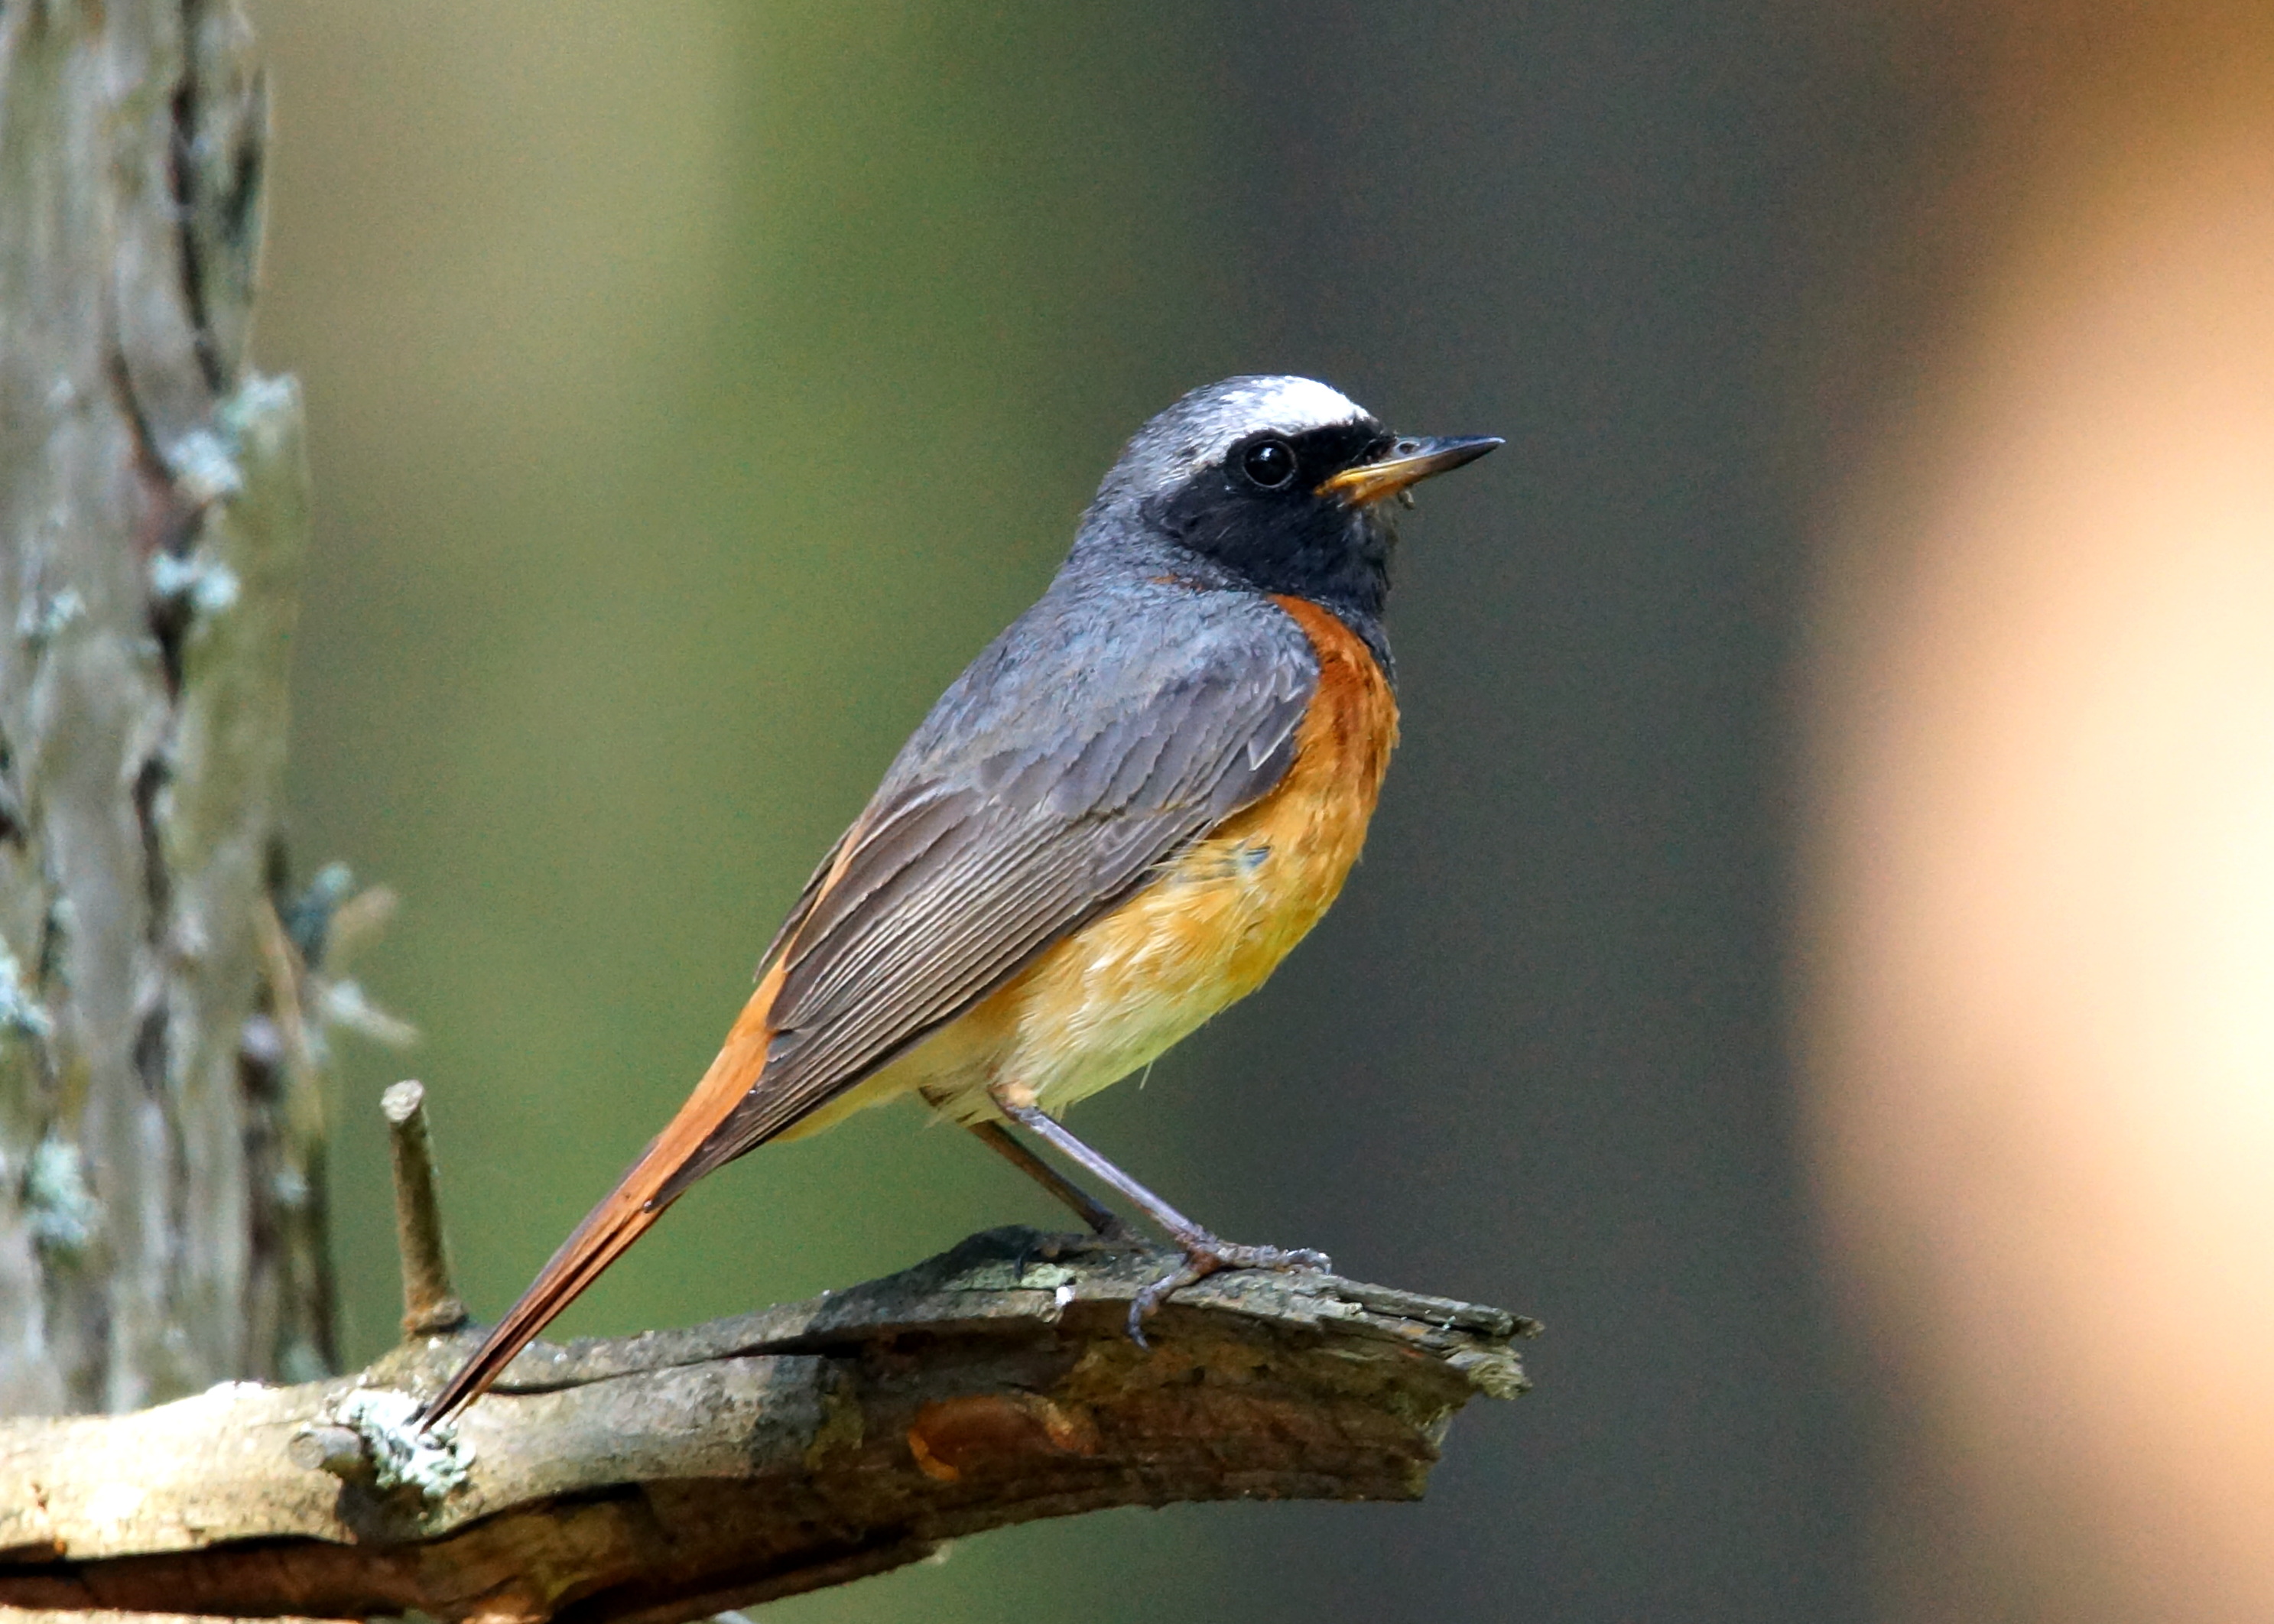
[1113, 824]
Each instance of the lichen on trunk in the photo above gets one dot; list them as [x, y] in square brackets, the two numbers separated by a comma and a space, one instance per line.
[160, 1124]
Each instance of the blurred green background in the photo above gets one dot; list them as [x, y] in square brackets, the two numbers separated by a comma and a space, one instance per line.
[694, 387]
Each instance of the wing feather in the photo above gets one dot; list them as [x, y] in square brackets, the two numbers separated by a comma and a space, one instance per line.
[947, 888]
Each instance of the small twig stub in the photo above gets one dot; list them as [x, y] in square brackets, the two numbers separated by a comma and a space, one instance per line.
[431, 1304]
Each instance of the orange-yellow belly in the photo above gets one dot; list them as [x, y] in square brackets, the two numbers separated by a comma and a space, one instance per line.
[1204, 933]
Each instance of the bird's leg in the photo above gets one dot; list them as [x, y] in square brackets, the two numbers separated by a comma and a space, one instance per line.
[1103, 1220]
[1204, 1253]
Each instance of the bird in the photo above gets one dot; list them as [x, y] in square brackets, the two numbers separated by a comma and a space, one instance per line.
[1114, 823]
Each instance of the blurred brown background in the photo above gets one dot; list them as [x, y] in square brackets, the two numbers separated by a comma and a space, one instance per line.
[1879, 582]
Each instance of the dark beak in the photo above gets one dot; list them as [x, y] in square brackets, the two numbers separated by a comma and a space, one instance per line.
[1409, 462]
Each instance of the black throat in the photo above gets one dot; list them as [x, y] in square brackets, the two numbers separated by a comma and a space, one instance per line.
[1292, 541]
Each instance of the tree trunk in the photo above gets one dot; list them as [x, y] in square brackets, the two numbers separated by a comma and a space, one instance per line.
[160, 1132]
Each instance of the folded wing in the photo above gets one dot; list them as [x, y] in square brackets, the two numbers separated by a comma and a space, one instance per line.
[1007, 822]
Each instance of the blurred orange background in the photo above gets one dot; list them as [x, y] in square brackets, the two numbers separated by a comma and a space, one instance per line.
[2042, 949]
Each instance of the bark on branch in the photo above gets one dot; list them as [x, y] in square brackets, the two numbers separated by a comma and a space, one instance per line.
[670, 1474]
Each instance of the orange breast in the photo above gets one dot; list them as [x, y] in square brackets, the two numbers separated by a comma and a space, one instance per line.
[1205, 933]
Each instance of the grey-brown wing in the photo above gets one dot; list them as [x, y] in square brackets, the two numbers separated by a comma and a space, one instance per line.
[806, 898]
[963, 868]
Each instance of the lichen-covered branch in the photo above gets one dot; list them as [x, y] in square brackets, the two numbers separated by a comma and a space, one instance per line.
[161, 1139]
[668, 1476]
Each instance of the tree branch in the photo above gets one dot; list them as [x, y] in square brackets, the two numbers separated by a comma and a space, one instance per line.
[663, 1477]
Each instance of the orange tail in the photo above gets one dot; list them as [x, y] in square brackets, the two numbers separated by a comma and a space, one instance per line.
[628, 1210]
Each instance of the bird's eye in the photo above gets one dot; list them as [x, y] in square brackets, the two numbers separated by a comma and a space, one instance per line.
[1270, 462]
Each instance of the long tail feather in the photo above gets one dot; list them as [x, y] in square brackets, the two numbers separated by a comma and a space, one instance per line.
[628, 1211]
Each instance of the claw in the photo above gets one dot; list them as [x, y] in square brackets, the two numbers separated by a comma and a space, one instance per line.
[1204, 1255]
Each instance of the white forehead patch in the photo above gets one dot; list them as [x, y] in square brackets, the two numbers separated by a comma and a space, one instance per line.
[1199, 428]
[1290, 405]
[1295, 404]
[1210, 421]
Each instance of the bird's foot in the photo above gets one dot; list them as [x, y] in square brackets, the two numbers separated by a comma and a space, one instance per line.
[1204, 1255]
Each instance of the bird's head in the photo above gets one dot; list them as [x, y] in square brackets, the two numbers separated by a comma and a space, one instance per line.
[1281, 482]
